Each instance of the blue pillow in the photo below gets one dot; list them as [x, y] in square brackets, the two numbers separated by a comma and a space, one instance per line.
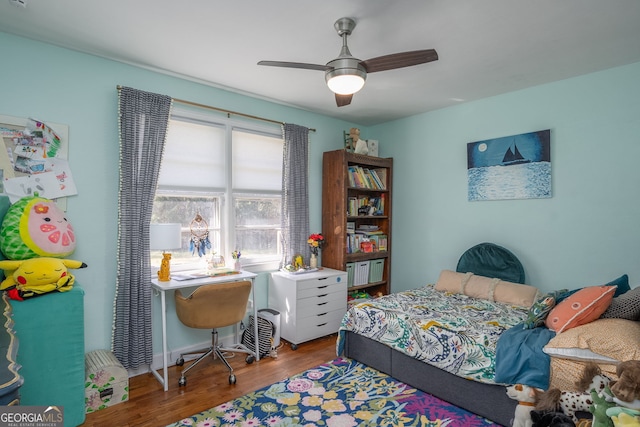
[622, 283]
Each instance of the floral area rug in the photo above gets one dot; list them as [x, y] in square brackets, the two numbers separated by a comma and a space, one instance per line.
[341, 393]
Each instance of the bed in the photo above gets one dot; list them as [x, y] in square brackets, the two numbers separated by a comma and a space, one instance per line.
[476, 330]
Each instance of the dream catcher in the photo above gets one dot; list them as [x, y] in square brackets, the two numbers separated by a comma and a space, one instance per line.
[199, 241]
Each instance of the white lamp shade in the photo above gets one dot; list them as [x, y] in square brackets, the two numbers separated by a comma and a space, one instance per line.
[165, 236]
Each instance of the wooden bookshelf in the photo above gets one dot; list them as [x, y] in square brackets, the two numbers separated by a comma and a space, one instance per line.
[339, 187]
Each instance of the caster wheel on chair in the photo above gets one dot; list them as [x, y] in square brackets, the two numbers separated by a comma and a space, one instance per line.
[182, 382]
[180, 362]
[250, 359]
[232, 379]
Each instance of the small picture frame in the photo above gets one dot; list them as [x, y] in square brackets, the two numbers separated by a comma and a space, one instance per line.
[372, 145]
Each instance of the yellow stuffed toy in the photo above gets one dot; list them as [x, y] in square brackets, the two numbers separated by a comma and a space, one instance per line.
[36, 276]
[624, 417]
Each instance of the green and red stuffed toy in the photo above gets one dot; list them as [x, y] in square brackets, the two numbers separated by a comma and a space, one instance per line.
[35, 236]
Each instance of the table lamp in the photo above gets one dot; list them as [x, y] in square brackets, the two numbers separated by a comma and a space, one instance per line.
[165, 237]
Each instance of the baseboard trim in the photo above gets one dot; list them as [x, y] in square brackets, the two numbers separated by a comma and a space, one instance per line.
[173, 355]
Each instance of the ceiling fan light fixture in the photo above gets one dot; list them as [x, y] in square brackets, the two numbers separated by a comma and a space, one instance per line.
[345, 81]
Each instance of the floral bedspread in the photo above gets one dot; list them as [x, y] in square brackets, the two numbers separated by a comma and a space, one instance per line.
[453, 332]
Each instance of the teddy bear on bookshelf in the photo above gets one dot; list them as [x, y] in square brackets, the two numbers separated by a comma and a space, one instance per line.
[358, 145]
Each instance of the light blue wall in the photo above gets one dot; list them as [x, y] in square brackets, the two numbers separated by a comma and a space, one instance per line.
[63, 86]
[586, 234]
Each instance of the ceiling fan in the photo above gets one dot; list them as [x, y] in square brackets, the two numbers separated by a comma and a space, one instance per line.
[345, 75]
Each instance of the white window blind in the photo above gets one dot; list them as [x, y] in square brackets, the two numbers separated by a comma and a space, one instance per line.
[194, 156]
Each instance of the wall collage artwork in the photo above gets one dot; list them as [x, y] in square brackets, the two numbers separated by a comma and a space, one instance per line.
[33, 159]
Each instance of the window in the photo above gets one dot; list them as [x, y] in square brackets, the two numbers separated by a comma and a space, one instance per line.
[231, 175]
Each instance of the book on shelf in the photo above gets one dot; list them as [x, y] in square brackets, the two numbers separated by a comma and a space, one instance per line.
[369, 232]
[352, 206]
[364, 178]
[368, 206]
[377, 179]
[352, 181]
[360, 177]
[381, 173]
[356, 177]
[382, 242]
[368, 227]
[355, 242]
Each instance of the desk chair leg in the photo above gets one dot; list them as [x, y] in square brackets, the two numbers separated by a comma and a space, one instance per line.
[214, 351]
[232, 376]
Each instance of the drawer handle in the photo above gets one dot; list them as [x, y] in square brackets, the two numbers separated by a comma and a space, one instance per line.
[322, 296]
[322, 324]
[323, 278]
[322, 303]
[322, 287]
[322, 314]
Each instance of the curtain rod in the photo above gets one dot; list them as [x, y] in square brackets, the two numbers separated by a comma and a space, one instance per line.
[222, 110]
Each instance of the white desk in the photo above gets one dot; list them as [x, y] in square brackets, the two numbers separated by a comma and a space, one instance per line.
[172, 285]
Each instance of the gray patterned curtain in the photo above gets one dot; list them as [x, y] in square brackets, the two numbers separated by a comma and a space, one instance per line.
[295, 193]
[143, 120]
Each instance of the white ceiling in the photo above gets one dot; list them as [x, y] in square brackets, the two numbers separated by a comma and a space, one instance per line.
[486, 47]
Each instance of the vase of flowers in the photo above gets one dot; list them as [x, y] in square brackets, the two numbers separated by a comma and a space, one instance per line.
[236, 260]
[316, 242]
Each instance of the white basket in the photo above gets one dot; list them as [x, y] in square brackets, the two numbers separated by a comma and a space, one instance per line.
[361, 273]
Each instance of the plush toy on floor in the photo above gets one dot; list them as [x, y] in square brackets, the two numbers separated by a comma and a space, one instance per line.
[599, 410]
[570, 402]
[37, 276]
[526, 397]
[551, 419]
[624, 417]
[626, 390]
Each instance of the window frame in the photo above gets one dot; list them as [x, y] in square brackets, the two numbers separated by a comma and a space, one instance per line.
[228, 194]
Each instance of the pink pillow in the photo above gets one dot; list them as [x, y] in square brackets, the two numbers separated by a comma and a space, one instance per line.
[487, 288]
[582, 307]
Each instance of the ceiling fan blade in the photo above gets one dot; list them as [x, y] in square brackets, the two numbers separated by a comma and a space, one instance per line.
[342, 100]
[302, 65]
[399, 60]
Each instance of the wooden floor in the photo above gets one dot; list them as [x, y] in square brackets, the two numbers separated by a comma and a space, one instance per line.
[208, 386]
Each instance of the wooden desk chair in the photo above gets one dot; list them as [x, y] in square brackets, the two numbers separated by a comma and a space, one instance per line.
[211, 307]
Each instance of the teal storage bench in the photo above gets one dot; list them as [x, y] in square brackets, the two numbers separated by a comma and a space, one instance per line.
[50, 332]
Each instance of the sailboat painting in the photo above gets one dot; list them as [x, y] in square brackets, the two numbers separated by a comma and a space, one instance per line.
[510, 167]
